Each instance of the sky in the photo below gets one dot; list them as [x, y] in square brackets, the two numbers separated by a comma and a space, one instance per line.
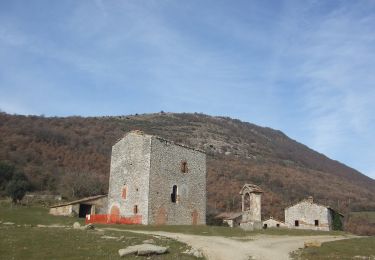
[306, 68]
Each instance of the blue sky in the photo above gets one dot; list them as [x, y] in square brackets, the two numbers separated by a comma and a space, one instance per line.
[306, 68]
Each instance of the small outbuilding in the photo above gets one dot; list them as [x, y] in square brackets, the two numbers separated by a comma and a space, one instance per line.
[309, 215]
[273, 223]
[82, 207]
[233, 219]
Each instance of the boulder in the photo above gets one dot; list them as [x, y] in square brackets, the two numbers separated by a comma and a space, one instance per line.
[8, 223]
[76, 225]
[108, 237]
[41, 226]
[149, 241]
[88, 227]
[313, 243]
[130, 250]
[148, 249]
[143, 249]
[194, 252]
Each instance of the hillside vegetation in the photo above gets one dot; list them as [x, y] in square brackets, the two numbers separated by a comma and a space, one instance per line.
[53, 151]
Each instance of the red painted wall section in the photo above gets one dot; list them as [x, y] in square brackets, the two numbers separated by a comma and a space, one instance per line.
[113, 219]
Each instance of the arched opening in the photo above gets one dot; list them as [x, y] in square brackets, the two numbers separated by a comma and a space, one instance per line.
[247, 202]
[115, 211]
[174, 194]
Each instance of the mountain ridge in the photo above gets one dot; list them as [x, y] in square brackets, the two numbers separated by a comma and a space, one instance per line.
[47, 148]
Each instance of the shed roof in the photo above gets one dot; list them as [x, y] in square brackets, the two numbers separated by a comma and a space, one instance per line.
[274, 219]
[229, 215]
[251, 188]
[79, 201]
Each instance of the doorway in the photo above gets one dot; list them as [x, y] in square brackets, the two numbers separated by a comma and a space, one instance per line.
[84, 209]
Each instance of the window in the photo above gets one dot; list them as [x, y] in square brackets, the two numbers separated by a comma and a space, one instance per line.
[124, 192]
[247, 202]
[184, 168]
[316, 222]
[135, 209]
[277, 225]
[174, 194]
[265, 226]
[296, 223]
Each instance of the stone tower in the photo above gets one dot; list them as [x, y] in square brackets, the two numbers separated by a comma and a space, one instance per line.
[251, 207]
[157, 180]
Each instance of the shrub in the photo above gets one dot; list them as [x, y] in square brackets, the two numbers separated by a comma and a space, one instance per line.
[17, 187]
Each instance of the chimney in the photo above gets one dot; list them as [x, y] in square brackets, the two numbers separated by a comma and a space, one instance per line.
[310, 199]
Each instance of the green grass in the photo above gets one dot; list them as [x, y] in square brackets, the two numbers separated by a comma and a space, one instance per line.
[342, 249]
[224, 231]
[19, 214]
[24, 240]
[60, 243]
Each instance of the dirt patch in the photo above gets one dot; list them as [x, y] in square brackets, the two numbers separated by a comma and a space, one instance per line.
[258, 247]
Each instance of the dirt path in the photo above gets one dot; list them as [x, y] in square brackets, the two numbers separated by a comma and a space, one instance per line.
[258, 247]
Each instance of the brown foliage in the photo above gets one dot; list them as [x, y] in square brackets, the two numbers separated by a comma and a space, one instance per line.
[49, 149]
[360, 226]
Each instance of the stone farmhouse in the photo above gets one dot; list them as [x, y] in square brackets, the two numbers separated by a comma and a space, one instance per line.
[273, 223]
[157, 181]
[309, 215]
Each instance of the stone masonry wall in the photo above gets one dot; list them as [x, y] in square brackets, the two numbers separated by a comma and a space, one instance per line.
[306, 213]
[130, 167]
[254, 213]
[273, 223]
[61, 211]
[190, 207]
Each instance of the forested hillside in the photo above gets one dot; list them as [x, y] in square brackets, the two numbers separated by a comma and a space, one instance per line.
[71, 156]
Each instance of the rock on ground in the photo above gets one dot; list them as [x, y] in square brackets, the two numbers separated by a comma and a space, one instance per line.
[76, 225]
[108, 237]
[194, 252]
[143, 249]
[88, 227]
[313, 243]
[8, 223]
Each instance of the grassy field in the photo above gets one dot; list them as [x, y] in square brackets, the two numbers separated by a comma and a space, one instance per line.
[25, 240]
[355, 248]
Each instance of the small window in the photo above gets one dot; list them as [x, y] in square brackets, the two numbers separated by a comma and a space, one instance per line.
[124, 192]
[174, 194]
[265, 226]
[184, 168]
[277, 225]
[135, 209]
[296, 223]
[316, 222]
